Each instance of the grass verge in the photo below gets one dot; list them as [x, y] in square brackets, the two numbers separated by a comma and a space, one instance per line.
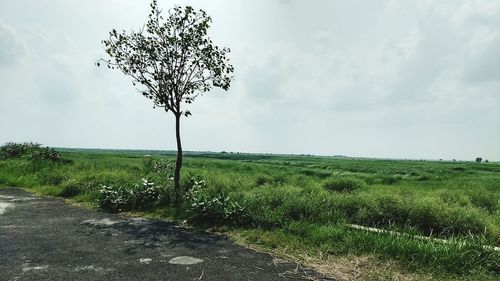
[297, 207]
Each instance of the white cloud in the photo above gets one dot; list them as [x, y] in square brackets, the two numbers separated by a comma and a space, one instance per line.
[11, 48]
[389, 79]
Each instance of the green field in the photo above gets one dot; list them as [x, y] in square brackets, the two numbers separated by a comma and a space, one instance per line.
[301, 207]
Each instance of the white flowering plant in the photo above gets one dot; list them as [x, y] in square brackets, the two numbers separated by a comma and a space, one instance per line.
[136, 197]
[214, 205]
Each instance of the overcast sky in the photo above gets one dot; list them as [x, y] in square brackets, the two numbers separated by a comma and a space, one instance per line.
[396, 79]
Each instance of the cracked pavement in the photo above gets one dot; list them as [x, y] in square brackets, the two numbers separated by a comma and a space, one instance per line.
[42, 238]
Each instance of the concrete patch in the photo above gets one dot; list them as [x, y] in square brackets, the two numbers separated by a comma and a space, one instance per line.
[185, 260]
[4, 206]
[133, 242]
[10, 226]
[35, 268]
[105, 222]
[145, 260]
[89, 268]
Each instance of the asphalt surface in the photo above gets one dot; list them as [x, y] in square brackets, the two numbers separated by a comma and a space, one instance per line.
[42, 238]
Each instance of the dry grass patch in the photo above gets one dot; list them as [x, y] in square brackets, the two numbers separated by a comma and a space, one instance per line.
[359, 268]
[341, 268]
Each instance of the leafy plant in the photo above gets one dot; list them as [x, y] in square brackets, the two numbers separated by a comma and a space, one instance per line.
[212, 204]
[28, 150]
[44, 153]
[15, 150]
[139, 196]
[146, 193]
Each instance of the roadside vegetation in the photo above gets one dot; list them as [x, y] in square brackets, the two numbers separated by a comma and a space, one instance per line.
[298, 207]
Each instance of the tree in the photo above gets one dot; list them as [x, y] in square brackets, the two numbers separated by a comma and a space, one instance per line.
[172, 61]
[479, 159]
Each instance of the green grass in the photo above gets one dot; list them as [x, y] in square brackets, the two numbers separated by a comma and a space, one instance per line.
[305, 203]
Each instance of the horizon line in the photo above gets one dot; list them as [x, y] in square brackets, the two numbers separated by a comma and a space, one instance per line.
[277, 154]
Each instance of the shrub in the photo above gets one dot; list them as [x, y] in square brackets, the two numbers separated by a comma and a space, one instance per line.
[43, 153]
[139, 196]
[30, 151]
[114, 199]
[145, 194]
[12, 150]
[214, 205]
[343, 184]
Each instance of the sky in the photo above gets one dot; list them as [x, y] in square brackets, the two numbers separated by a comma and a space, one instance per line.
[388, 79]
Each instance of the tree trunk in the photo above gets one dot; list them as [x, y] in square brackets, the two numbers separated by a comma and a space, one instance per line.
[178, 163]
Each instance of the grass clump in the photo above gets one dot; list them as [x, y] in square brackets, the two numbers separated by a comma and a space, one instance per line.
[263, 179]
[343, 184]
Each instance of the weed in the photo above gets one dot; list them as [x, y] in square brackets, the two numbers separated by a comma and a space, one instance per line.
[299, 202]
[343, 184]
[139, 197]
[214, 205]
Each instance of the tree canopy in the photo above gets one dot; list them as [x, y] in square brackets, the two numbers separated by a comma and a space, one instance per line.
[171, 61]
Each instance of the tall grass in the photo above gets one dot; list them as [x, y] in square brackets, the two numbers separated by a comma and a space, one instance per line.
[307, 201]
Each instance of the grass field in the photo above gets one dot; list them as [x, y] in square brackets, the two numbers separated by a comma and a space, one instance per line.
[300, 207]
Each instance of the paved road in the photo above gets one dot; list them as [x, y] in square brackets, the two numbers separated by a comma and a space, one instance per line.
[44, 239]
